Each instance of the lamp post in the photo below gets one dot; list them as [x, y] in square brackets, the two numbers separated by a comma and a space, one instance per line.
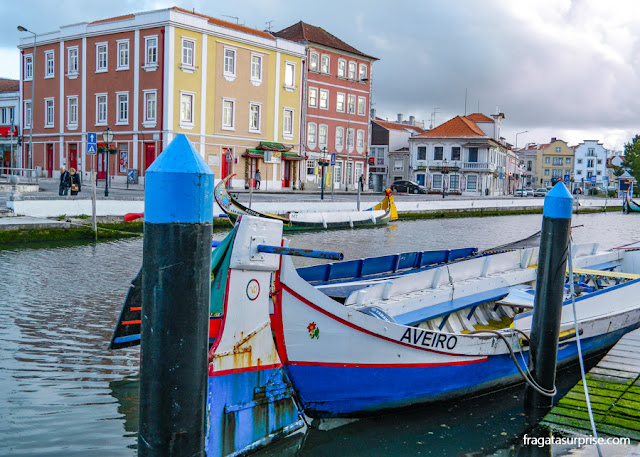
[445, 170]
[355, 104]
[519, 133]
[107, 137]
[322, 164]
[33, 85]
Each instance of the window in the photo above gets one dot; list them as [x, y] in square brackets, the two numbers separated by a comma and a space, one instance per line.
[27, 114]
[473, 155]
[339, 138]
[455, 153]
[546, 172]
[557, 161]
[360, 140]
[555, 173]
[342, 68]
[313, 97]
[591, 152]
[422, 153]
[598, 172]
[123, 55]
[324, 64]
[547, 160]
[529, 165]
[361, 106]
[123, 107]
[340, 102]
[228, 115]
[352, 70]
[350, 134]
[49, 65]
[49, 112]
[311, 167]
[337, 173]
[351, 104]
[362, 74]
[579, 172]
[289, 75]
[472, 182]
[287, 123]
[568, 160]
[28, 67]
[230, 62]
[322, 135]
[186, 109]
[590, 163]
[438, 153]
[150, 108]
[151, 51]
[558, 149]
[546, 183]
[72, 111]
[72, 61]
[188, 54]
[101, 109]
[398, 164]
[256, 68]
[599, 161]
[311, 133]
[324, 99]
[567, 172]
[436, 183]
[254, 117]
[101, 57]
[313, 61]
[454, 182]
[579, 161]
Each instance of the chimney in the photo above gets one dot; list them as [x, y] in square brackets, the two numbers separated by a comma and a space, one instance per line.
[412, 120]
[373, 113]
[400, 118]
[553, 139]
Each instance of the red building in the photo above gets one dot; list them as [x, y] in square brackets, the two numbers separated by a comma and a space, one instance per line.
[336, 111]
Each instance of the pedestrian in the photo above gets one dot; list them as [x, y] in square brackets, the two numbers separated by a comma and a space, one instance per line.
[257, 178]
[64, 181]
[74, 181]
[361, 182]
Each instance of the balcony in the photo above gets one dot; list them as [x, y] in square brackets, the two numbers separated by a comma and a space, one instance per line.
[479, 166]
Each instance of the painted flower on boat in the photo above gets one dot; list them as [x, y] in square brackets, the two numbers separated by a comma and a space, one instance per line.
[314, 331]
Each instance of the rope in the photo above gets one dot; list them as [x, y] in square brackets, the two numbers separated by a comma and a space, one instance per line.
[527, 378]
[579, 348]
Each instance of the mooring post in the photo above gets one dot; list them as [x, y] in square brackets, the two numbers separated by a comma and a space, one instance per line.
[547, 310]
[176, 275]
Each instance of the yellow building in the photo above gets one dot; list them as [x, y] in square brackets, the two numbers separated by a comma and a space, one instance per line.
[554, 161]
[236, 93]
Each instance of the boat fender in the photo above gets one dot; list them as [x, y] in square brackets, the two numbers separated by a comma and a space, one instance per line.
[377, 312]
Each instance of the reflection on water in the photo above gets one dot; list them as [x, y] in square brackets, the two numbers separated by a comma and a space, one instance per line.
[62, 393]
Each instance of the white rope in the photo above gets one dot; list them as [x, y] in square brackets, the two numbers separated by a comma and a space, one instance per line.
[579, 348]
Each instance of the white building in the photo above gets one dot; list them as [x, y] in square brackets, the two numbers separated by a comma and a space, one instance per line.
[466, 155]
[590, 160]
[9, 121]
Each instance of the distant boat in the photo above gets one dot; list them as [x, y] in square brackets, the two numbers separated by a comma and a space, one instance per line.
[629, 205]
[380, 214]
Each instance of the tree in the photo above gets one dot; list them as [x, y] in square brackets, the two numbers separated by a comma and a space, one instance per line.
[632, 157]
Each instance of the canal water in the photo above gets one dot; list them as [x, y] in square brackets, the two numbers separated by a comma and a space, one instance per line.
[63, 393]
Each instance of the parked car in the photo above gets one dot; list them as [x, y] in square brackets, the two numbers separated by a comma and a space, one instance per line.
[529, 191]
[408, 186]
[520, 193]
[541, 192]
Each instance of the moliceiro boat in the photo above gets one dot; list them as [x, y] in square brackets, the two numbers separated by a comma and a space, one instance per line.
[629, 205]
[445, 332]
[382, 213]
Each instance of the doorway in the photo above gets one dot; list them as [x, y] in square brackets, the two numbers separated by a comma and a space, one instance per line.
[50, 160]
[287, 173]
[102, 166]
[149, 154]
[73, 155]
[227, 162]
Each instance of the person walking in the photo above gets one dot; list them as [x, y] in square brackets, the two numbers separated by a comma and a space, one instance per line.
[361, 182]
[65, 181]
[74, 182]
[257, 177]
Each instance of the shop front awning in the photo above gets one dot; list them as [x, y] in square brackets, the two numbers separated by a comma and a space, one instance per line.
[259, 154]
[272, 146]
[8, 132]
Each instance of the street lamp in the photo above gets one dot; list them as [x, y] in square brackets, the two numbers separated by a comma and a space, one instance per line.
[107, 137]
[355, 104]
[519, 133]
[445, 170]
[33, 85]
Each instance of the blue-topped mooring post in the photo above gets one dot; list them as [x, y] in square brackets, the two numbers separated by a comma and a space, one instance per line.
[547, 310]
[176, 275]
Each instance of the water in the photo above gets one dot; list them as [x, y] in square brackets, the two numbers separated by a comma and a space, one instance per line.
[63, 393]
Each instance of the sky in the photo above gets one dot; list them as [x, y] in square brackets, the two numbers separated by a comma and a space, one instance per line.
[555, 68]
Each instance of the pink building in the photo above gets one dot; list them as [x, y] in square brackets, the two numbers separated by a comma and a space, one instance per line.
[336, 112]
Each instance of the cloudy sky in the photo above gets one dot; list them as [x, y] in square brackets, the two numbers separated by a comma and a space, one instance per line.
[556, 68]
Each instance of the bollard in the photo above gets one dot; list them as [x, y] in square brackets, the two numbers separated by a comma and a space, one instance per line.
[547, 310]
[176, 275]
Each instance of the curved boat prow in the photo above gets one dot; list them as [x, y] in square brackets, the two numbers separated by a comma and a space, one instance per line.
[388, 203]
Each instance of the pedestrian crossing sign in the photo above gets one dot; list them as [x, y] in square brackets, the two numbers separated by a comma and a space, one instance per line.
[92, 145]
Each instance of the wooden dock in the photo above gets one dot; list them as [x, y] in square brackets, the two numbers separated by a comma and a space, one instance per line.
[614, 390]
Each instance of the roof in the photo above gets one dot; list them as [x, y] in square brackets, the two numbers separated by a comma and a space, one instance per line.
[398, 126]
[312, 34]
[458, 127]
[479, 117]
[9, 85]
[211, 20]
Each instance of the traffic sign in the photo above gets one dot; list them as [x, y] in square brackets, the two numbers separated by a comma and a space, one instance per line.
[593, 179]
[92, 144]
[566, 178]
[333, 159]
